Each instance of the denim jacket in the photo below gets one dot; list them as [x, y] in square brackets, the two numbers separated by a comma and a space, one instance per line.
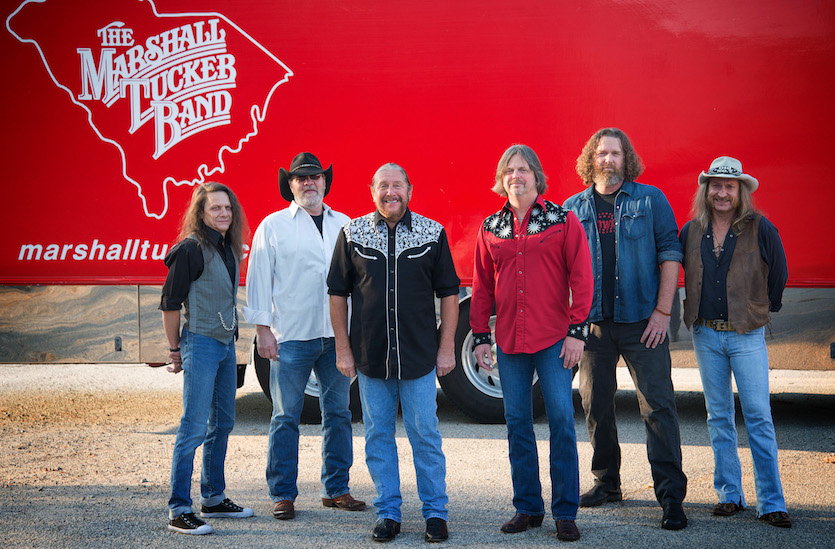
[646, 235]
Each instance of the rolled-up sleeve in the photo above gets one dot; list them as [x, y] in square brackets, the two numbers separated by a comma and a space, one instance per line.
[185, 265]
[259, 279]
[445, 280]
[340, 276]
[665, 228]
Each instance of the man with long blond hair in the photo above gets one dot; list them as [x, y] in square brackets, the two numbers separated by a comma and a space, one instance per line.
[734, 274]
[631, 232]
[203, 277]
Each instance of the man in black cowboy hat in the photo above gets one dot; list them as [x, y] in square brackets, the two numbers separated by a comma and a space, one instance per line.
[288, 303]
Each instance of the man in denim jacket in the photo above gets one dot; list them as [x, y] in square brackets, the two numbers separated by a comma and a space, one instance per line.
[635, 253]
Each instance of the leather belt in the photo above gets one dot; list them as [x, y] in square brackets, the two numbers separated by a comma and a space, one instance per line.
[718, 325]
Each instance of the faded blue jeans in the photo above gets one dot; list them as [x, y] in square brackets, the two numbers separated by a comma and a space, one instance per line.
[418, 400]
[209, 386]
[720, 354]
[288, 377]
[517, 376]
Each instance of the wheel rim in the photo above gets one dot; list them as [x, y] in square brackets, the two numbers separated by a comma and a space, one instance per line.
[488, 382]
[312, 387]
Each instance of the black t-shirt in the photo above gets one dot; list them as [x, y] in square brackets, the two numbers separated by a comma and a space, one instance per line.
[318, 220]
[604, 204]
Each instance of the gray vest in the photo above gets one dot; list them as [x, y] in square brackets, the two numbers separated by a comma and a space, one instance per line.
[210, 308]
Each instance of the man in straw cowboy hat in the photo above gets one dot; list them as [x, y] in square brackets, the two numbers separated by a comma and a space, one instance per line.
[288, 303]
[734, 275]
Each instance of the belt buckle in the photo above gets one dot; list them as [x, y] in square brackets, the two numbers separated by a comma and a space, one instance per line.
[721, 325]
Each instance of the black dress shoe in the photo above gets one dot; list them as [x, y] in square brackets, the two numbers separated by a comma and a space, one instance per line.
[674, 517]
[520, 523]
[436, 530]
[600, 495]
[567, 530]
[385, 530]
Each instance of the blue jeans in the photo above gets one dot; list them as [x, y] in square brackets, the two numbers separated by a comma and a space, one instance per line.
[719, 354]
[288, 377]
[517, 376]
[417, 399]
[209, 386]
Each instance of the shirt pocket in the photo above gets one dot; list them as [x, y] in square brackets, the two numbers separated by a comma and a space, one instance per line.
[418, 253]
[548, 235]
[634, 224]
[502, 251]
[364, 255]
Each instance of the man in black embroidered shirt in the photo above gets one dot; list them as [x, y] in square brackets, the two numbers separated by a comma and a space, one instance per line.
[393, 263]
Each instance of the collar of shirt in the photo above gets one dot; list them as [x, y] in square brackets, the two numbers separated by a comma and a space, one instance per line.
[507, 208]
[406, 220]
[628, 188]
[294, 209]
[215, 237]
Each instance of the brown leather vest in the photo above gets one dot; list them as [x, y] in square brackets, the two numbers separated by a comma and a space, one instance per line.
[746, 285]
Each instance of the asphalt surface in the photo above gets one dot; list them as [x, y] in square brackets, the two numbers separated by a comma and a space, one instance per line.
[86, 457]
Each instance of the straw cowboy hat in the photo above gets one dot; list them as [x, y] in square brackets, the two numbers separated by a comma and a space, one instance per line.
[728, 168]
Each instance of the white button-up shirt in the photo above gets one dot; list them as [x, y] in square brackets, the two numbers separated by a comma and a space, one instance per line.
[286, 285]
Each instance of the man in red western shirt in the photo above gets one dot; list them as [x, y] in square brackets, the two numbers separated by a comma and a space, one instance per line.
[532, 262]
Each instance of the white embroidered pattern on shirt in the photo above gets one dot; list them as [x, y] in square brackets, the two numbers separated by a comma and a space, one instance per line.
[366, 233]
[501, 223]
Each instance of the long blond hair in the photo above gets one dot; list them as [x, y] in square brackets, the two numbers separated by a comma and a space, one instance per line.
[192, 222]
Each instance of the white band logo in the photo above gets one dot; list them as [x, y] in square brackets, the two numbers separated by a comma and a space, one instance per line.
[180, 79]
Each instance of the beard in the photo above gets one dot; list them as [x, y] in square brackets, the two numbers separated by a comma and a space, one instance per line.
[310, 201]
[606, 178]
[397, 214]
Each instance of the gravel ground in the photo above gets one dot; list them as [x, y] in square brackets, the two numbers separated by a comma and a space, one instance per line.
[85, 456]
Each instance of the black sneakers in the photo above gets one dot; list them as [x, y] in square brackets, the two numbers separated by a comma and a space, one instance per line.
[225, 509]
[187, 523]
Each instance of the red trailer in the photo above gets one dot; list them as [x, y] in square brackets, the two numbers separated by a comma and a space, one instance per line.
[114, 109]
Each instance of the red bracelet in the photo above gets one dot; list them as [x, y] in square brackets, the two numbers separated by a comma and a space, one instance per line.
[662, 312]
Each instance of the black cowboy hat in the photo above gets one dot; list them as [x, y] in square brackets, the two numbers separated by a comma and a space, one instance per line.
[304, 164]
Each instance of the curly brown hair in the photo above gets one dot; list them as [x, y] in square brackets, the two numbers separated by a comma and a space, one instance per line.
[633, 167]
[192, 222]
